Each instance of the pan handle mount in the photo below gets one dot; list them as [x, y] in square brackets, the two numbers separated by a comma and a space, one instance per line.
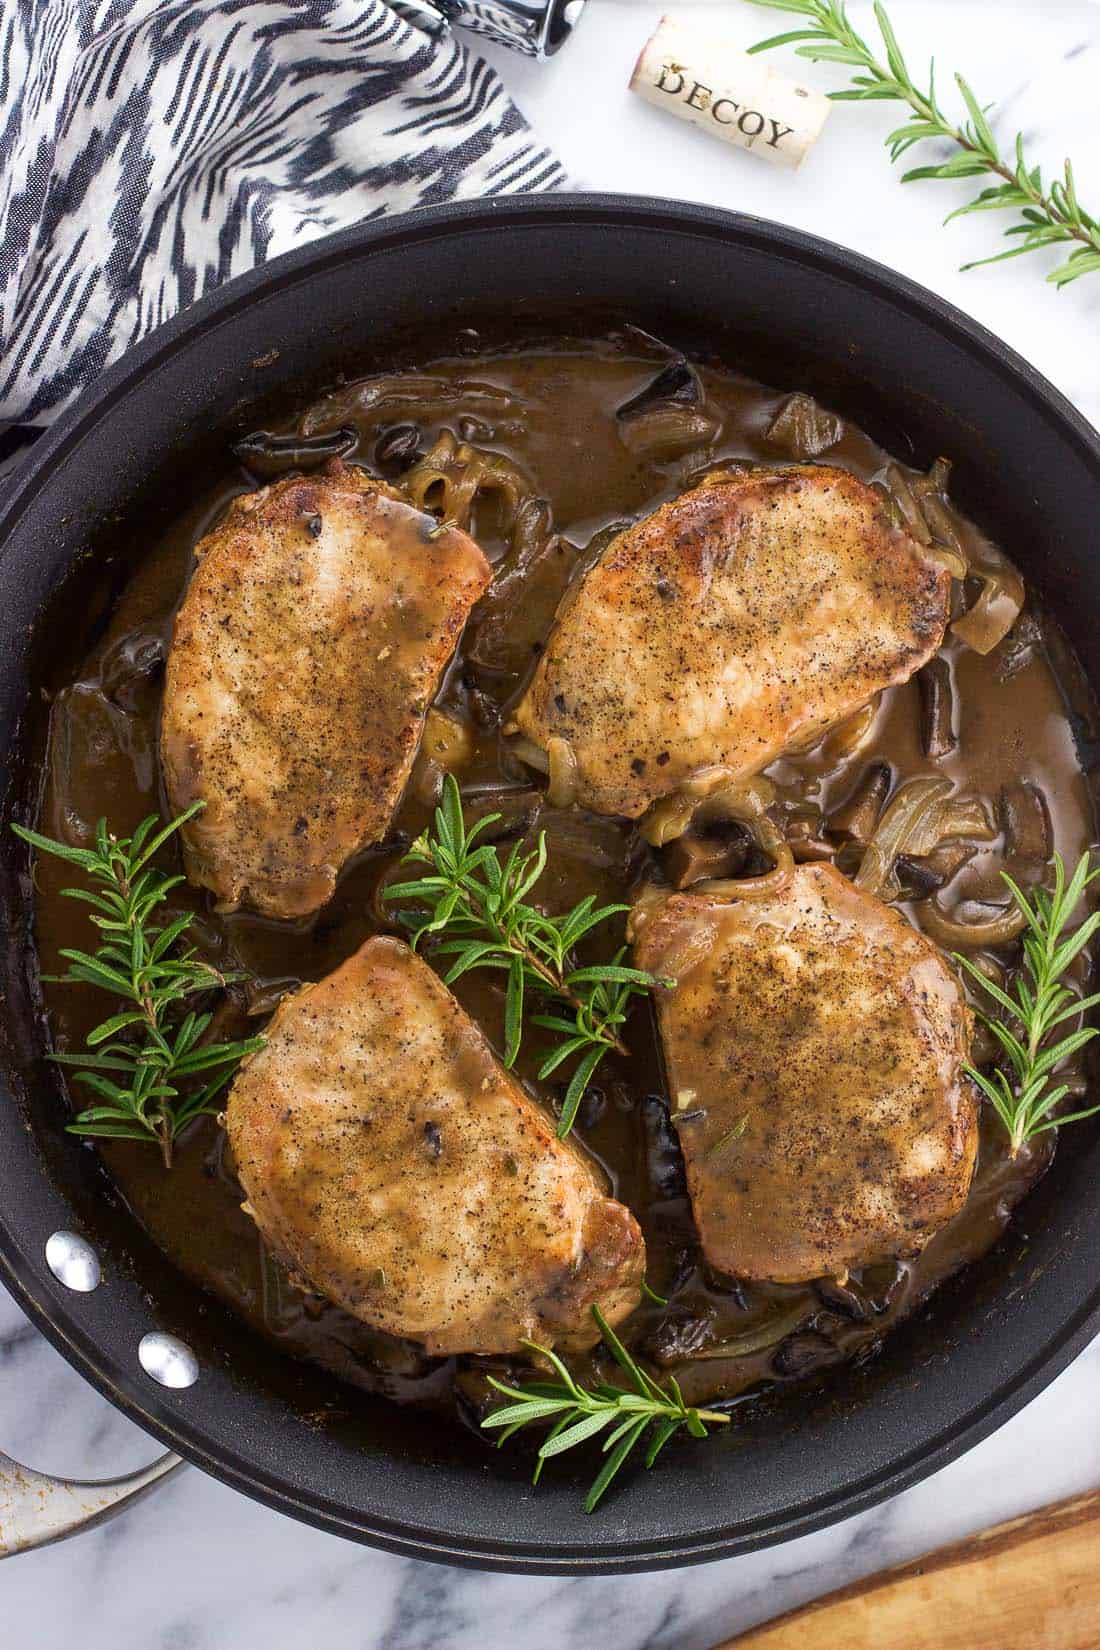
[36, 1509]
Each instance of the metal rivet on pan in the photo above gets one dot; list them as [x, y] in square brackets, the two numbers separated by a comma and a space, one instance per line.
[73, 1262]
[168, 1360]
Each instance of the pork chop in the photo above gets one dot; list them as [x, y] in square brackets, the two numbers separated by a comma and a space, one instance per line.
[741, 618]
[312, 637]
[394, 1164]
[814, 1043]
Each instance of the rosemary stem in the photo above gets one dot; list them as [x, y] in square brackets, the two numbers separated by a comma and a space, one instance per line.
[1049, 215]
[143, 999]
[554, 980]
[164, 1138]
[1041, 201]
[154, 1067]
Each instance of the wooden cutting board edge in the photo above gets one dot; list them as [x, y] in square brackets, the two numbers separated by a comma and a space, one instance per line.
[1032, 1583]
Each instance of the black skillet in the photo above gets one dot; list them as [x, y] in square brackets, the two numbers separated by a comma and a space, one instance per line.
[793, 311]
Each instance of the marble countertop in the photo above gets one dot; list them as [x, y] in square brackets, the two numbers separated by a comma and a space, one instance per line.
[198, 1567]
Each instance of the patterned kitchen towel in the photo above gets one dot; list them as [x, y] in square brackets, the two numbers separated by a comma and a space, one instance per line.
[151, 149]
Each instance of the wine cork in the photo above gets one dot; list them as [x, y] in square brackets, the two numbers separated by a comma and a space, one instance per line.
[703, 77]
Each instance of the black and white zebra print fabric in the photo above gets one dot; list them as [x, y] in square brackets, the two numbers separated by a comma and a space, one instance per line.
[150, 149]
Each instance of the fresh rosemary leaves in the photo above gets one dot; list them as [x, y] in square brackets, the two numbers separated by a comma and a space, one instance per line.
[478, 909]
[1024, 1092]
[142, 1062]
[578, 1413]
[1048, 216]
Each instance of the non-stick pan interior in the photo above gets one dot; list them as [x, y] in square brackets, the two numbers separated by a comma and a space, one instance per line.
[794, 313]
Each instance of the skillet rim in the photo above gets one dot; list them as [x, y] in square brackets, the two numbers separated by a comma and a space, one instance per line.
[206, 315]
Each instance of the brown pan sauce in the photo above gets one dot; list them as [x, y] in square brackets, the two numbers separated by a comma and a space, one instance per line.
[552, 413]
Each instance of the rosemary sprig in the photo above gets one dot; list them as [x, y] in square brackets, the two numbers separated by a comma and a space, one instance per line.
[148, 1051]
[479, 908]
[578, 1413]
[1024, 1095]
[1049, 216]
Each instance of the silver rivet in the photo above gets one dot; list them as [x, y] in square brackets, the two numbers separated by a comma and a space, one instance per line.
[168, 1360]
[73, 1262]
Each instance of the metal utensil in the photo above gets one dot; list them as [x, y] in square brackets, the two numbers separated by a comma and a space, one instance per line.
[36, 1509]
[537, 28]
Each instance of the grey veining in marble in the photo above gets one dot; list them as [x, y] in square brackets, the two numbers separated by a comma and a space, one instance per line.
[198, 1567]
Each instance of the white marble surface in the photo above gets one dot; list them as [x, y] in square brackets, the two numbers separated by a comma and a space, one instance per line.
[197, 1567]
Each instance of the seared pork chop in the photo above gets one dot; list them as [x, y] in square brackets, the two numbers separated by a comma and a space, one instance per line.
[313, 634]
[814, 1043]
[744, 617]
[395, 1165]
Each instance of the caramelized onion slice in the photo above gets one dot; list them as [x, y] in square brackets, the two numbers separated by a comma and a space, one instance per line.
[453, 473]
[669, 431]
[667, 819]
[907, 510]
[919, 503]
[747, 802]
[269, 456]
[415, 395]
[447, 741]
[528, 752]
[920, 816]
[762, 887]
[954, 935]
[561, 792]
[850, 735]
[996, 610]
[958, 816]
[764, 1335]
[445, 747]
[949, 560]
[803, 428]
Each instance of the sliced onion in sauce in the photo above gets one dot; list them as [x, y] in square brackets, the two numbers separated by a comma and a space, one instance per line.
[453, 474]
[996, 610]
[803, 428]
[447, 741]
[667, 432]
[848, 736]
[761, 887]
[957, 816]
[528, 752]
[562, 767]
[426, 783]
[949, 560]
[415, 394]
[920, 505]
[954, 935]
[911, 803]
[921, 815]
[769, 1333]
[667, 819]
[902, 496]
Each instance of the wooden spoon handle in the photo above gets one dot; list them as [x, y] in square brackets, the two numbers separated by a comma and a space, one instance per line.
[1030, 1584]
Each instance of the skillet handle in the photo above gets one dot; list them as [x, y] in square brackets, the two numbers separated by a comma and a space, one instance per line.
[36, 1509]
